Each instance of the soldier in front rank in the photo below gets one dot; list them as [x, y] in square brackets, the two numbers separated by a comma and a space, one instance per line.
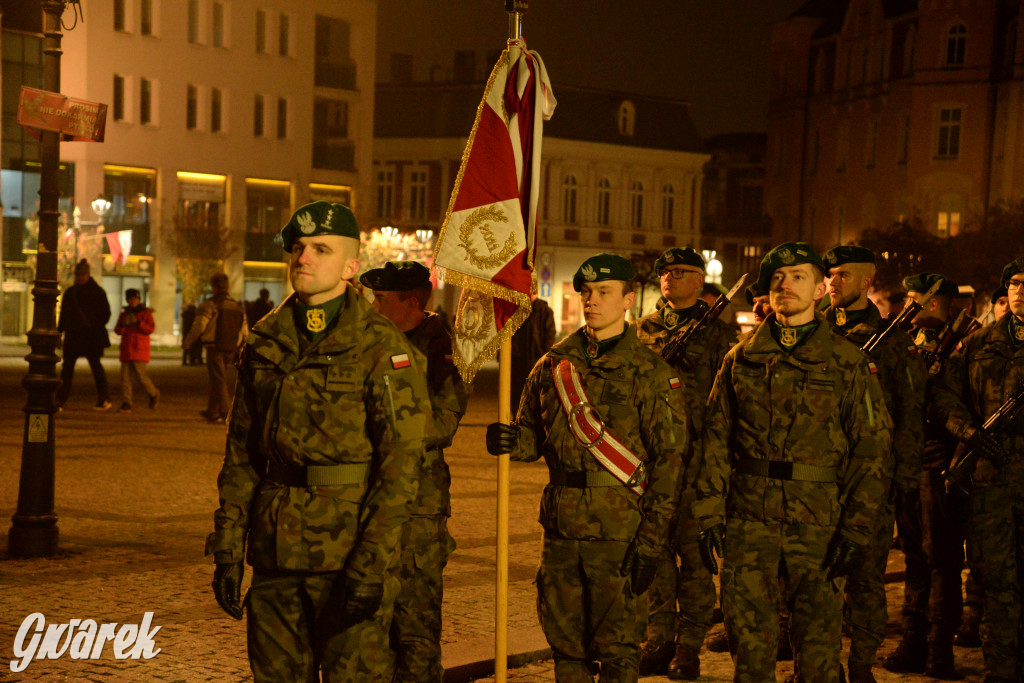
[321, 467]
[932, 543]
[902, 377]
[608, 416]
[401, 291]
[672, 636]
[795, 458]
[980, 375]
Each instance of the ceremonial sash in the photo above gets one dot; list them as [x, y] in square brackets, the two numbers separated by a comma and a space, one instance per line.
[586, 427]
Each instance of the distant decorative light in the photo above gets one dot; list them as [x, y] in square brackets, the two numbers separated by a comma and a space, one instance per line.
[101, 205]
[389, 231]
[424, 235]
[713, 270]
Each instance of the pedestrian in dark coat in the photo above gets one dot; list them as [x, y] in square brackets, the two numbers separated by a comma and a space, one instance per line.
[84, 313]
[532, 340]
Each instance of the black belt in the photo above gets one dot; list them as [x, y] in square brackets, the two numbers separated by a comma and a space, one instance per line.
[789, 471]
[583, 480]
[318, 475]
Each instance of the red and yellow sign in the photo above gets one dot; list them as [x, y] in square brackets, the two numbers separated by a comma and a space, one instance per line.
[74, 119]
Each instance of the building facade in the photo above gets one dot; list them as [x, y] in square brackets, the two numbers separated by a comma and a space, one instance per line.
[893, 110]
[620, 173]
[224, 115]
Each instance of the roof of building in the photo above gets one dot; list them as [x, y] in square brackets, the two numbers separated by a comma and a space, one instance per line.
[447, 110]
[736, 141]
[897, 8]
[821, 9]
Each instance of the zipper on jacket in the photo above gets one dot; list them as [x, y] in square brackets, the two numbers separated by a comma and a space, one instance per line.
[671, 421]
[391, 402]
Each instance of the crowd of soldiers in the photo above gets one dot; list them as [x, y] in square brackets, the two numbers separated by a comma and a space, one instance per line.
[675, 450]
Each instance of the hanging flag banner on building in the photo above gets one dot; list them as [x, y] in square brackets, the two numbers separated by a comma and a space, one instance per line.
[486, 244]
[76, 120]
[120, 244]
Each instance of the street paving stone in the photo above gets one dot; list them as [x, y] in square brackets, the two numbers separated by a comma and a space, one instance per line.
[135, 495]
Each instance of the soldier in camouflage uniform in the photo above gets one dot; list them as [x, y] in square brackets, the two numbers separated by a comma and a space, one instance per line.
[979, 376]
[795, 458]
[932, 543]
[602, 540]
[321, 467]
[902, 377]
[670, 636]
[401, 291]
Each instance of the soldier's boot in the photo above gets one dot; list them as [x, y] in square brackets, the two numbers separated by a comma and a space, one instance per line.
[969, 634]
[685, 665]
[655, 656]
[784, 653]
[940, 660]
[718, 642]
[910, 656]
[860, 673]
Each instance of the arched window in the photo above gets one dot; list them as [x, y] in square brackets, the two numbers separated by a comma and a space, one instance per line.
[636, 205]
[604, 201]
[627, 118]
[956, 44]
[668, 205]
[569, 199]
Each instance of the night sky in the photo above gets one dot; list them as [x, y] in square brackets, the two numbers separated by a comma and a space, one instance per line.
[713, 53]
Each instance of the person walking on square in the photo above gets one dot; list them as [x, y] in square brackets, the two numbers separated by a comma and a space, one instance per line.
[321, 468]
[221, 326]
[135, 324]
[608, 416]
[84, 312]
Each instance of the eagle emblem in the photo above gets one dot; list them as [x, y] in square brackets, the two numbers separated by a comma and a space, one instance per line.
[786, 256]
[306, 224]
[589, 274]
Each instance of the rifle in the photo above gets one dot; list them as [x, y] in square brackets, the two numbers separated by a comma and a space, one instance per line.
[962, 469]
[902, 321]
[949, 337]
[675, 346]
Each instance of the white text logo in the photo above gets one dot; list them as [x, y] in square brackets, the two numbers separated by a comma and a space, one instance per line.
[82, 639]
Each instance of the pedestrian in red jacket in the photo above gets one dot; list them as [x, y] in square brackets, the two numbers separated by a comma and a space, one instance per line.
[135, 324]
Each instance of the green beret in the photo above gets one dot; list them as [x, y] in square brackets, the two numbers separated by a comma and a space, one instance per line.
[847, 253]
[397, 276]
[922, 282]
[1011, 269]
[319, 218]
[998, 294]
[600, 267]
[685, 256]
[786, 254]
[752, 292]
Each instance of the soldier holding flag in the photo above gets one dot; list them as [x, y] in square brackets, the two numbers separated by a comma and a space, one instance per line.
[607, 415]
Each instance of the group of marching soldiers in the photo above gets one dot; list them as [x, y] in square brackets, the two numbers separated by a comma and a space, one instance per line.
[675, 451]
[782, 460]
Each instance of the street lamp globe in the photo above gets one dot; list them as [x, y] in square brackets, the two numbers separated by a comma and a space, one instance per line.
[101, 205]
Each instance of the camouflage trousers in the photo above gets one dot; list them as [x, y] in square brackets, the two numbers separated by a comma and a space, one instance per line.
[587, 611]
[416, 626]
[996, 543]
[682, 597]
[865, 592]
[754, 554]
[917, 581]
[296, 631]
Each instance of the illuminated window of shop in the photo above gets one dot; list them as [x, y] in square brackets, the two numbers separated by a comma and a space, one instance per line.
[131, 192]
[267, 209]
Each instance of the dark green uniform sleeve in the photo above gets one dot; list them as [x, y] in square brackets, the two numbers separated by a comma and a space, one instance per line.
[714, 467]
[528, 418]
[948, 392]
[906, 378]
[449, 395]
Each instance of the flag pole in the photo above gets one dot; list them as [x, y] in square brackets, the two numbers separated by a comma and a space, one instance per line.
[515, 9]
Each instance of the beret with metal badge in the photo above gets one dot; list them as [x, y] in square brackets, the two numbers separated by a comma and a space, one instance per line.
[397, 276]
[679, 256]
[922, 282]
[600, 267]
[319, 218]
[786, 254]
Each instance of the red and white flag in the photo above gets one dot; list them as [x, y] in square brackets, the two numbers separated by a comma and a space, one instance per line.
[486, 244]
[120, 244]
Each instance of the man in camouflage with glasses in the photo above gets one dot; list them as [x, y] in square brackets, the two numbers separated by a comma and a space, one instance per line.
[673, 639]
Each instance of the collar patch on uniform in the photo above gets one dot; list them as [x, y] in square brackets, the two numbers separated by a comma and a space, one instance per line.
[840, 317]
[400, 361]
[674, 383]
[873, 368]
[787, 336]
[315, 320]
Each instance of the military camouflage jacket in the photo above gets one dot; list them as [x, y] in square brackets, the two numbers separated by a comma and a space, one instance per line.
[448, 398]
[820, 405]
[632, 390]
[939, 444]
[701, 360]
[976, 379]
[356, 395]
[902, 377]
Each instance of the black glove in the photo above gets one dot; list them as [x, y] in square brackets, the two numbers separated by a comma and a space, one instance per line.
[639, 569]
[712, 541]
[227, 587]
[842, 557]
[986, 446]
[362, 600]
[502, 438]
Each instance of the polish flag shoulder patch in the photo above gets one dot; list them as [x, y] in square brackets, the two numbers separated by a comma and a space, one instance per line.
[400, 361]
[674, 383]
[873, 368]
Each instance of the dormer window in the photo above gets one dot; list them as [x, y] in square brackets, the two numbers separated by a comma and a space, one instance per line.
[627, 118]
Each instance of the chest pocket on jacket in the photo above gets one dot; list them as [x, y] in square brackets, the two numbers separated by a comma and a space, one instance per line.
[343, 372]
[616, 392]
[820, 391]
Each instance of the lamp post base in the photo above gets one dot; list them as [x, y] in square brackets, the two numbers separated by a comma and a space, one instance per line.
[33, 536]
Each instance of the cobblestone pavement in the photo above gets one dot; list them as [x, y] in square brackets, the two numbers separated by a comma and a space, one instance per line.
[135, 495]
